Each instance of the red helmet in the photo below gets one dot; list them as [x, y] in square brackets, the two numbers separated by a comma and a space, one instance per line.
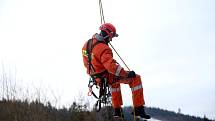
[109, 29]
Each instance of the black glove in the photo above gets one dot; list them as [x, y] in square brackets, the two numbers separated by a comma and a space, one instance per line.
[131, 74]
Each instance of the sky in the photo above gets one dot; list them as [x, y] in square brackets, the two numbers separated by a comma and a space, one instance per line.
[170, 43]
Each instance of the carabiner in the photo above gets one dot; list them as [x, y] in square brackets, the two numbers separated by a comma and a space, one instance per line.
[90, 92]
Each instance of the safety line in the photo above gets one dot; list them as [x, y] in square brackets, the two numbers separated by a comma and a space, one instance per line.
[119, 56]
[101, 12]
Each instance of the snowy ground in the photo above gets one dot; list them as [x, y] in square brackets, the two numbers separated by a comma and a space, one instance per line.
[153, 119]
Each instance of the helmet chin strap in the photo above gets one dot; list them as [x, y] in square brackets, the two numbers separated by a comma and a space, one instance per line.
[107, 39]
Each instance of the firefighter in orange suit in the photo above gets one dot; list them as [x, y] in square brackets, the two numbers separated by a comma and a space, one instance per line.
[104, 65]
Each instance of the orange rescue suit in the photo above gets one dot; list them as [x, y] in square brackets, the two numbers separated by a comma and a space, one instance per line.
[102, 60]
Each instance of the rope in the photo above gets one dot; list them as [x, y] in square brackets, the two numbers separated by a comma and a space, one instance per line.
[101, 12]
[119, 56]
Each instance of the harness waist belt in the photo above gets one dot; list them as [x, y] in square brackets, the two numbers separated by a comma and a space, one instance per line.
[97, 75]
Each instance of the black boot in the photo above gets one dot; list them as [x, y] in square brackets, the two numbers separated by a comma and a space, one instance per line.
[140, 113]
[118, 113]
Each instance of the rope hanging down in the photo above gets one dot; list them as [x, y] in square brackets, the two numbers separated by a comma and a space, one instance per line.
[119, 57]
[101, 12]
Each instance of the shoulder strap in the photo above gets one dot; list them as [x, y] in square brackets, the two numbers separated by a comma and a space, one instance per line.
[89, 55]
[89, 49]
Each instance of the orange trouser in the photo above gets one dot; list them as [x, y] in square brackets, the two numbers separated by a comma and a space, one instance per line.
[136, 88]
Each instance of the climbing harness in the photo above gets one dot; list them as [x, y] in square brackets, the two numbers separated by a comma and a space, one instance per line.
[104, 93]
[104, 89]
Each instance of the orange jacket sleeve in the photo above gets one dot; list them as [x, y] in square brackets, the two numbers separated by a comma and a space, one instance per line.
[110, 64]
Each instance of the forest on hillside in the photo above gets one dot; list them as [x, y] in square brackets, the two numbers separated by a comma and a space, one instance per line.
[17, 110]
[19, 104]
